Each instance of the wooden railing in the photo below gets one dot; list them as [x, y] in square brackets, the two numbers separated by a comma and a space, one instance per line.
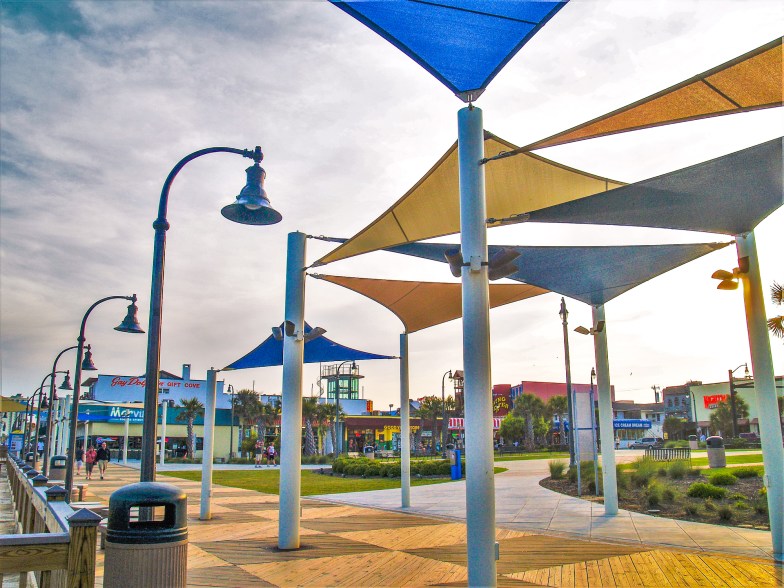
[670, 454]
[53, 542]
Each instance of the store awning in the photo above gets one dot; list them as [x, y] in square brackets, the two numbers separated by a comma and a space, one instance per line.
[462, 43]
[749, 82]
[730, 195]
[459, 424]
[321, 349]
[432, 207]
[8, 405]
[420, 305]
[593, 275]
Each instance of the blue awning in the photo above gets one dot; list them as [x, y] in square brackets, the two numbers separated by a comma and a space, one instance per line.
[463, 43]
[632, 424]
[321, 349]
[729, 195]
[593, 275]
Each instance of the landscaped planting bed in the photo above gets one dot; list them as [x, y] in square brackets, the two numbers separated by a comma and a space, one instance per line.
[730, 496]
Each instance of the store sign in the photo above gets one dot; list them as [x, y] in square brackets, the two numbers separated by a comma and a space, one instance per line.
[713, 401]
[131, 381]
[500, 404]
[632, 424]
[456, 423]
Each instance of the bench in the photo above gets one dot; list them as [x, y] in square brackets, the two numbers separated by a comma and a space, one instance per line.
[670, 454]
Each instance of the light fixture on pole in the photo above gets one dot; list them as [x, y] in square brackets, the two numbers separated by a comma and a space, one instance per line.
[84, 362]
[443, 413]
[230, 390]
[252, 207]
[339, 437]
[564, 314]
[733, 406]
[592, 331]
[730, 280]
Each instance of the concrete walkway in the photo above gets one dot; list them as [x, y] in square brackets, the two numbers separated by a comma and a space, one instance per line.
[522, 504]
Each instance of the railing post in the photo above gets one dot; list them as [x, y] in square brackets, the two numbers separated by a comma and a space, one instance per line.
[81, 549]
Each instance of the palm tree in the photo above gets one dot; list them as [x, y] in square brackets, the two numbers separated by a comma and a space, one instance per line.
[557, 405]
[309, 409]
[529, 407]
[322, 417]
[266, 418]
[776, 324]
[430, 407]
[247, 407]
[334, 427]
[190, 408]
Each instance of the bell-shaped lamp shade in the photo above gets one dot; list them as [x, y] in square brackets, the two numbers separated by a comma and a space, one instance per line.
[66, 385]
[252, 206]
[87, 363]
[727, 285]
[130, 323]
[45, 403]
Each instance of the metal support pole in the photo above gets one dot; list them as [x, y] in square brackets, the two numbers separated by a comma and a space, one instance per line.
[733, 411]
[564, 314]
[86, 434]
[765, 388]
[577, 451]
[231, 425]
[480, 485]
[205, 505]
[291, 413]
[592, 401]
[65, 428]
[606, 429]
[405, 426]
[50, 425]
[164, 407]
[125, 438]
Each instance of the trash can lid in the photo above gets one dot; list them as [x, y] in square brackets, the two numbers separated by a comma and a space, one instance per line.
[714, 441]
[174, 526]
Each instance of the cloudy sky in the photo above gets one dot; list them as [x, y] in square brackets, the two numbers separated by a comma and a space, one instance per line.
[99, 100]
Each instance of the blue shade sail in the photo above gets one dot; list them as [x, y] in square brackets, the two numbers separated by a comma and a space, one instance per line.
[463, 43]
[728, 195]
[321, 349]
[593, 275]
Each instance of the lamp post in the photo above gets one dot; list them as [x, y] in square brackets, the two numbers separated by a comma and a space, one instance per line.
[231, 424]
[564, 314]
[42, 403]
[47, 443]
[252, 207]
[339, 438]
[443, 413]
[84, 361]
[733, 410]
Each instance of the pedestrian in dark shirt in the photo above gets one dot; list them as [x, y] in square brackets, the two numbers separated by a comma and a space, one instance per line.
[103, 458]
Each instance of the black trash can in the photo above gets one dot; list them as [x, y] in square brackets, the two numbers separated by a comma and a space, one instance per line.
[147, 553]
[717, 457]
[57, 465]
[30, 458]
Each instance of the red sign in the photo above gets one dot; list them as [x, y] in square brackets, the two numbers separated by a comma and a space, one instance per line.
[501, 404]
[713, 400]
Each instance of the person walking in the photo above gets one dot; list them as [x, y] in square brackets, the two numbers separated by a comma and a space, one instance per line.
[79, 460]
[90, 457]
[271, 455]
[259, 453]
[104, 456]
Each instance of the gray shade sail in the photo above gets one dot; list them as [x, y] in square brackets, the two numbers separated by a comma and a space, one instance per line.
[730, 195]
[593, 275]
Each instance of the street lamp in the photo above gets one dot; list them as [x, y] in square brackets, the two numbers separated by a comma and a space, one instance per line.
[733, 410]
[564, 314]
[42, 403]
[47, 442]
[443, 413]
[130, 324]
[251, 208]
[339, 438]
[231, 425]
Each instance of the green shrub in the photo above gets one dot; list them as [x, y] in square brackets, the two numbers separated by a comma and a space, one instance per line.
[557, 469]
[678, 469]
[761, 506]
[645, 470]
[703, 490]
[586, 472]
[623, 480]
[763, 491]
[661, 472]
[693, 473]
[654, 494]
[691, 509]
[393, 470]
[710, 506]
[737, 496]
[725, 512]
[722, 479]
[669, 493]
[745, 472]
[741, 505]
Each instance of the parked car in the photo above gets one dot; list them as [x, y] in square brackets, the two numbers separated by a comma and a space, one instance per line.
[647, 442]
[750, 437]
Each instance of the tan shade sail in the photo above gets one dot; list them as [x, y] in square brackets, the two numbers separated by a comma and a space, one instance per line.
[749, 82]
[420, 305]
[432, 207]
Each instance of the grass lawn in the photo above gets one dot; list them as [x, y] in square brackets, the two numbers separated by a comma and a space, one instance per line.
[707, 472]
[745, 458]
[539, 455]
[268, 481]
